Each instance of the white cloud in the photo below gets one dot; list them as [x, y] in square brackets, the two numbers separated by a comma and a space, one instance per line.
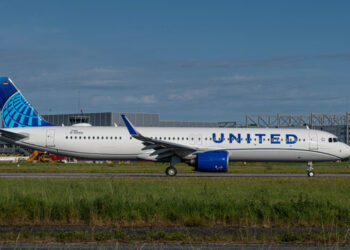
[102, 83]
[103, 99]
[234, 78]
[145, 99]
[94, 77]
[190, 94]
[102, 72]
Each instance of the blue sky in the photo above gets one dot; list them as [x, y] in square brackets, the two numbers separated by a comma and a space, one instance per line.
[187, 60]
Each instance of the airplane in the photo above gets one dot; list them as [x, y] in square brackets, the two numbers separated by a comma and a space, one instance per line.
[206, 149]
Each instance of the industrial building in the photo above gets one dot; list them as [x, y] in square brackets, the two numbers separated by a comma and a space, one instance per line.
[114, 118]
[337, 124]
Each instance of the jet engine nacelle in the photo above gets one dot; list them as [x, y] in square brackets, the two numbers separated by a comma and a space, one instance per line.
[211, 161]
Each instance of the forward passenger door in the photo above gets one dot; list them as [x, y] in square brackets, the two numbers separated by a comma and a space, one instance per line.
[313, 141]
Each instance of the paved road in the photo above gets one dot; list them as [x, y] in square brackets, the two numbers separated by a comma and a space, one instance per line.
[187, 175]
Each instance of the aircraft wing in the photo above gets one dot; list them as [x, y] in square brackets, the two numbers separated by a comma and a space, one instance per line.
[163, 149]
[11, 135]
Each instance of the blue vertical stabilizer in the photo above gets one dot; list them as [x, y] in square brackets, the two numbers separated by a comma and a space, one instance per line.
[15, 109]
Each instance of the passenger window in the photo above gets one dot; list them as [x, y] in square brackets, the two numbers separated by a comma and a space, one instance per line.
[97, 137]
[120, 137]
[88, 137]
[71, 137]
[106, 137]
[93, 137]
[101, 137]
[75, 137]
[66, 137]
[84, 137]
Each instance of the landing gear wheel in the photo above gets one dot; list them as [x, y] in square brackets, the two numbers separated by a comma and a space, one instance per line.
[310, 173]
[171, 171]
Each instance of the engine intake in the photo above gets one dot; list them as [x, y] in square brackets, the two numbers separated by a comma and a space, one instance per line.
[211, 161]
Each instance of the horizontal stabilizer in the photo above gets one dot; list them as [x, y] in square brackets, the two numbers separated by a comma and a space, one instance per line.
[11, 135]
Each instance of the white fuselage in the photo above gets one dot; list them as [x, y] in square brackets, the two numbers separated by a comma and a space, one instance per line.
[243, 144]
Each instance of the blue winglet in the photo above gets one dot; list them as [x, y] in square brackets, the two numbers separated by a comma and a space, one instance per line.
[129, 126]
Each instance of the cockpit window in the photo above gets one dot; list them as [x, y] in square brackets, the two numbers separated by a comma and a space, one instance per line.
[334, 139]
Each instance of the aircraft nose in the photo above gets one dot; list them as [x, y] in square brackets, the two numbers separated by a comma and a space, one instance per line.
[345, 151]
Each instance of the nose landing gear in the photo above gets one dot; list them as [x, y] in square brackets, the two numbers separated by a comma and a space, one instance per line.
[310, 171]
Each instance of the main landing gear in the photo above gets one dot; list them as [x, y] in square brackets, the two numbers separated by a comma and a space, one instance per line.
[310, 171]
[171, 171]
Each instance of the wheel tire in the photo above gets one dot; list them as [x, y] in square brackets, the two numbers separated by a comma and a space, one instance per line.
[310, 174]
[171, 171]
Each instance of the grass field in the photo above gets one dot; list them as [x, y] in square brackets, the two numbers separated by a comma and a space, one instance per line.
[271, 167]
[319, 207]
[173, 202]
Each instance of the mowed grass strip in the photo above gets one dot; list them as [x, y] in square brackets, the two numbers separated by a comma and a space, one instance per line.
[235, 167]
[323, 202]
